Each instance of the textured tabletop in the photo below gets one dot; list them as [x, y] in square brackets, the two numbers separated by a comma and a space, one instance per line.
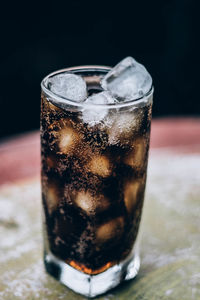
[170, 230]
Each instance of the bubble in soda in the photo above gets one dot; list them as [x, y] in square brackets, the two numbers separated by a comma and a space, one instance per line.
[128, 80]
[69, 86]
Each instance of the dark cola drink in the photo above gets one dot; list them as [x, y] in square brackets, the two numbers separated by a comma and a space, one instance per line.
[94, 160]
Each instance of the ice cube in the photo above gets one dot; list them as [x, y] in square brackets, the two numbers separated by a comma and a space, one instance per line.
[93, 113]
[128, 80]
[69, 86]
[100, 165]
[136, 158]
[110, 230]
[132, 191]
[52, 198]
[90, 203]
[122, 128]
[65, 137]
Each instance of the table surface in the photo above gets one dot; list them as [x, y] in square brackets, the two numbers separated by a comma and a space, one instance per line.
[169, 233]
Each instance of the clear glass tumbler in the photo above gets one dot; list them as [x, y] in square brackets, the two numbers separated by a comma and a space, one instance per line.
[94, 162]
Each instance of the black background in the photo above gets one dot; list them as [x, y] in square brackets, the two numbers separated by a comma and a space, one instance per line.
[38, 38]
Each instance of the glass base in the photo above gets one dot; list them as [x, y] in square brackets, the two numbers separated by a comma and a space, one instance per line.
[91, 285]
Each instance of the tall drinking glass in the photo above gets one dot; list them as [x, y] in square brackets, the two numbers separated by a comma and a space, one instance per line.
[94, 162]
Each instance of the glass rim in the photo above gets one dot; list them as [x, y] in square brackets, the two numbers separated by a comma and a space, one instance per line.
[141, 101]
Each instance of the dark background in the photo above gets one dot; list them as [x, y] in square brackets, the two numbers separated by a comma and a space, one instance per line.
[38, 38]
